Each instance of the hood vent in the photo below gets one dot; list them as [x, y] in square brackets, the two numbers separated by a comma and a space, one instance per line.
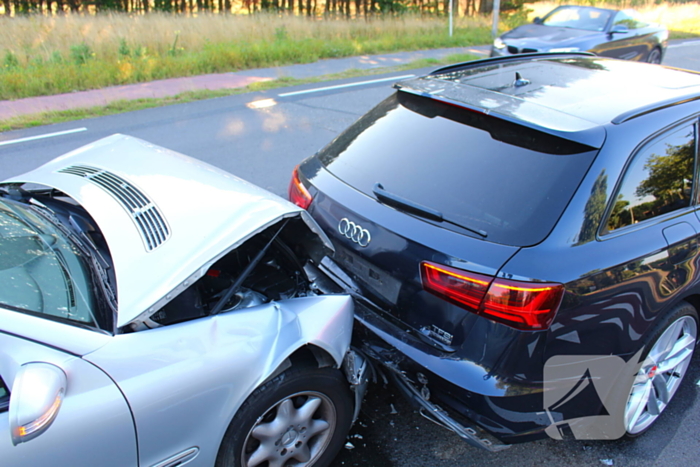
[147, 217]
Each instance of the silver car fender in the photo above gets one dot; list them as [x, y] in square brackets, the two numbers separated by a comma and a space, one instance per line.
[185, 382]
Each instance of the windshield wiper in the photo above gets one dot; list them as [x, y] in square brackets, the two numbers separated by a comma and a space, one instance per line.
[411, 207]
[87, 248]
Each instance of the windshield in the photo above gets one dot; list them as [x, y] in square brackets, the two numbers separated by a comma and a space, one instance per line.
[41, 270]
[575, 17]
[495, 179]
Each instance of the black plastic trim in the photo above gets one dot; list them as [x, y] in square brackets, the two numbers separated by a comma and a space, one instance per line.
[507, 58]
[640, 111]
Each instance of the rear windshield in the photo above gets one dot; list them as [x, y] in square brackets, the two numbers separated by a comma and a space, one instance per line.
[481, 173]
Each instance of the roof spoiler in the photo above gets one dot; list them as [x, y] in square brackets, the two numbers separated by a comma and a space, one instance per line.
[506, 59]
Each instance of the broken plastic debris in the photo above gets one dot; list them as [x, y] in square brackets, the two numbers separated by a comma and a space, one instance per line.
[349, 445]
[698, 383]
[358, 436]
[607, 461]
[393, 409]
[391, 422]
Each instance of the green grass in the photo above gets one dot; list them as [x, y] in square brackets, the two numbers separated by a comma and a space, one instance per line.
[31, 74]
[682, 35]
[47, 118]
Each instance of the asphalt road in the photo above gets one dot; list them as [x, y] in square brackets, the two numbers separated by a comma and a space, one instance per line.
[261, 137]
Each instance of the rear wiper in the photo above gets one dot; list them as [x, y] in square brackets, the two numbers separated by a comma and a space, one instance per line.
[411, 207]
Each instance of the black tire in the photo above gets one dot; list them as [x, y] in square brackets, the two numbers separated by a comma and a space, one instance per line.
[661, 374]
[654, 56]
[312, 410]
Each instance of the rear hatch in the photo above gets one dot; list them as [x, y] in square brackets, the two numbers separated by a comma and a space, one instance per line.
[417, 180]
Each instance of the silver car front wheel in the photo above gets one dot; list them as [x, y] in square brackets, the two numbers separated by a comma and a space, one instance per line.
[299, 418]
[662, 371]
[297, 429]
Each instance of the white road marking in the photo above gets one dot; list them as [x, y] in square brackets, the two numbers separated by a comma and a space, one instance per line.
[340, 86]
[47, 135]
[685, 44]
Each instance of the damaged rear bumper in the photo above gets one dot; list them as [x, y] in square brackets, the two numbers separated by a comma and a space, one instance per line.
[457, 394]
[433, 412]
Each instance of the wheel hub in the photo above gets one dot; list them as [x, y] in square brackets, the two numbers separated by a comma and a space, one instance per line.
[652, 372]
[289, 437]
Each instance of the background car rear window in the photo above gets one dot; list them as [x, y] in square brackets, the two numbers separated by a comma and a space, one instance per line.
[482, 172]
[659, 179]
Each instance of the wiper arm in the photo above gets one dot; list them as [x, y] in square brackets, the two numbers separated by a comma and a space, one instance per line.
[411, 207]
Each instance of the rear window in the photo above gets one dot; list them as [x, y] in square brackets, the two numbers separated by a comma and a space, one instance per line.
[480, 172]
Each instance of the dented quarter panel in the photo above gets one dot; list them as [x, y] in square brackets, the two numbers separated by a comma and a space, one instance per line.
[185, 382]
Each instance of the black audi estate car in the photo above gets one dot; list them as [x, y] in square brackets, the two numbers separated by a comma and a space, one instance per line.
[521, 237]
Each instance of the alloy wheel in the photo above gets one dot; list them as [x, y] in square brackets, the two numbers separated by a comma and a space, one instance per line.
[294, 432]
[660, 374]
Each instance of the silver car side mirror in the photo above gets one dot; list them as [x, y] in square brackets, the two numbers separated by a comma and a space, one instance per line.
[35, 400]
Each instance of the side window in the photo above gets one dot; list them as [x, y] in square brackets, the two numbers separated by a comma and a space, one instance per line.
[659, 179]
[4, 396]
[629, 19]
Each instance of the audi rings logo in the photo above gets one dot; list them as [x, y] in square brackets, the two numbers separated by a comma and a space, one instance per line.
[354, 232]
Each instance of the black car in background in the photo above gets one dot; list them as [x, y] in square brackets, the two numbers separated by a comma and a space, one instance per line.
[521, 237]
[571, 28]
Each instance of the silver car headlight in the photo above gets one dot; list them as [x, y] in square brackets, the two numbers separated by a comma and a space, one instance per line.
[498, 43]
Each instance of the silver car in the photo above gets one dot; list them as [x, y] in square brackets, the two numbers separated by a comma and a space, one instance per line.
[157, 311]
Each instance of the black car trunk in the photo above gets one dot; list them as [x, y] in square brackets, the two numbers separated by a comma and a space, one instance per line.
[417, 180]
[387, 268]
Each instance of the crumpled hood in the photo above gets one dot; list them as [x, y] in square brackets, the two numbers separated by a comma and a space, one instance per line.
[166, 217]
[537, 36]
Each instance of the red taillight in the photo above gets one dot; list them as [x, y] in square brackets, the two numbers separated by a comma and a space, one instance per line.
[463, 288]
[528, 306]
[298, 194]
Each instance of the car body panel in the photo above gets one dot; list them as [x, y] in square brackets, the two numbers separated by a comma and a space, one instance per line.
[185, 381]
[70, 339]
[147, 280]
[91, 400]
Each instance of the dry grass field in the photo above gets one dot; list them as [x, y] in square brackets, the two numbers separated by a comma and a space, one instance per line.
[42, 55]
[48, 55]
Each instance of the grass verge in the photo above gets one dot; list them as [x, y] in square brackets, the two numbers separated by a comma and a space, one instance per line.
[117, 107]
[54, 55]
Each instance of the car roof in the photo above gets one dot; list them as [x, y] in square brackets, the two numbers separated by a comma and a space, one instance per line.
[568, 95]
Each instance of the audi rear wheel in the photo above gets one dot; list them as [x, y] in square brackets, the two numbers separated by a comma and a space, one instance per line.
[663, 369]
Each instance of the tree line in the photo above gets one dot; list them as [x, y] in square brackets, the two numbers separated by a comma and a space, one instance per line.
[336, 8]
